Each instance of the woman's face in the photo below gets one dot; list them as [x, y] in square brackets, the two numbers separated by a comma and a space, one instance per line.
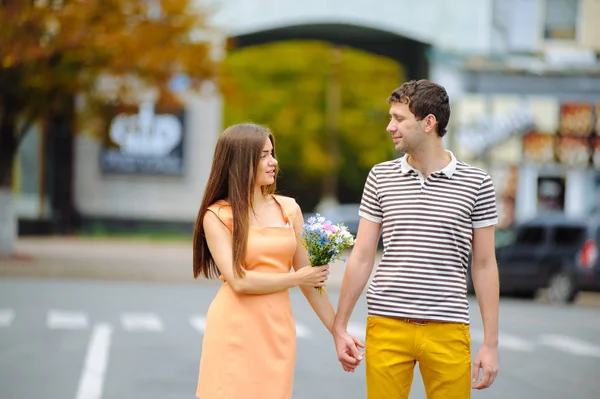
[265, 173]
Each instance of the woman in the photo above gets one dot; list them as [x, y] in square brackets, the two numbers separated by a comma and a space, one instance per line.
[248, 237]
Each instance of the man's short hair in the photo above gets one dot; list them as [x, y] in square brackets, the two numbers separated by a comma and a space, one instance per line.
[423, 98]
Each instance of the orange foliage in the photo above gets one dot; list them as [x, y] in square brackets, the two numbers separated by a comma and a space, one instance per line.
[62, 46]
[51, 50]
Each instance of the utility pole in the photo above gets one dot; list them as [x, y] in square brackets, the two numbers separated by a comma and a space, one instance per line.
[332, 111]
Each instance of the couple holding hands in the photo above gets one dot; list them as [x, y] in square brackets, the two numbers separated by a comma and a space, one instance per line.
[433, 212]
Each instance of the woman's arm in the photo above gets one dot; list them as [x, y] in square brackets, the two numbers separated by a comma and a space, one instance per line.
[219, 242]
[318, 301]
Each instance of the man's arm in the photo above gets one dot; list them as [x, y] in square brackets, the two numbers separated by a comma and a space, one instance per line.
[484, 272]
[358, 270]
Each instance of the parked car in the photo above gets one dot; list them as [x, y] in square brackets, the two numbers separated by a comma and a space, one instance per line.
[551, 251]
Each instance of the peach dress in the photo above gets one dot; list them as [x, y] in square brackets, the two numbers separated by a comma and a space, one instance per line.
[249, 347]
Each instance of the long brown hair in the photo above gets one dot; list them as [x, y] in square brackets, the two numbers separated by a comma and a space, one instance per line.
[232, 178]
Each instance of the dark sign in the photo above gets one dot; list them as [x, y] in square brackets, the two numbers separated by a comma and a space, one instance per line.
[143, 141]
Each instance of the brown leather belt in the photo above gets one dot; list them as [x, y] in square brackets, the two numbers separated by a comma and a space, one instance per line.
[419, 322]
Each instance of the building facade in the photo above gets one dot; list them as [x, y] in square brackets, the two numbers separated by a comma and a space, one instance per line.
[523, 77]
[528, 109]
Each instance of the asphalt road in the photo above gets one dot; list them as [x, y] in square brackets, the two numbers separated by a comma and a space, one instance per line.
[63, 339]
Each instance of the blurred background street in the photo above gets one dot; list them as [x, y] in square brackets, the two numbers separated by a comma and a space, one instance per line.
[122, 317]
[109, 113]
[51, 340]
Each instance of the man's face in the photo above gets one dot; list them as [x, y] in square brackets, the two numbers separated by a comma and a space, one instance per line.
[405, 129]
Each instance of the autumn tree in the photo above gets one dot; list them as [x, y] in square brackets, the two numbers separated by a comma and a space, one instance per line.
[327, 107]
[52, 50]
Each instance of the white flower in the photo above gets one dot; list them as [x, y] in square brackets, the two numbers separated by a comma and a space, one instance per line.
[316, 226]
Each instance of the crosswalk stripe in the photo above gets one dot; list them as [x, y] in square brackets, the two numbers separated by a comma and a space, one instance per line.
[141, 322]
[6, 317]
[198, 323]
[303, 331]
[570, 345]
[91, 382]
[76, 320]
[66, 320]
[506, 341]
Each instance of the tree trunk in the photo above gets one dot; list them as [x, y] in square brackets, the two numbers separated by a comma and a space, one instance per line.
[60, 132]
[8, 219]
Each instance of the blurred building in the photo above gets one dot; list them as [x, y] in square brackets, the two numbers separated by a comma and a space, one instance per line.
[528, 108]
[523, 76]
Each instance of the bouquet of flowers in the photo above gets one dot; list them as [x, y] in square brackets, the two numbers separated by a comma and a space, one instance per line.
[325, 241]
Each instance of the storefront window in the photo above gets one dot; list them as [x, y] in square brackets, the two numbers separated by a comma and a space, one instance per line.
[551, 194]
[560, 19]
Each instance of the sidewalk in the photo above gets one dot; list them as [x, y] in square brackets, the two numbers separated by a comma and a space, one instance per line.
[112, 259]
[132, 260]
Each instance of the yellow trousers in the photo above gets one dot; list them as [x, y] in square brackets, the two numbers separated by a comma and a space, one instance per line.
[393, 346]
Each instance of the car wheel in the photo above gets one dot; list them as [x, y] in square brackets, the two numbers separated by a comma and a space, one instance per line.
[561, 288]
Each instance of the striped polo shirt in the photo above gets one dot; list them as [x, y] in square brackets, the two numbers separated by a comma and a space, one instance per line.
[427, 228]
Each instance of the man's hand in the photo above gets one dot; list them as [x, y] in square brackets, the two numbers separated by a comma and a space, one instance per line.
[347, 350]
[486, 359]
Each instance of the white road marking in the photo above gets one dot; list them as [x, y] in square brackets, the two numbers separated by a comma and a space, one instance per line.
[91, 382]
[59, 319]
[506, 341]
[303, 331]
[198, 323]
[570, 345]
[6, 317]
[141, 322]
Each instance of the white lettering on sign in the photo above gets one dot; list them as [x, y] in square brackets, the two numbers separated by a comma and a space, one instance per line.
[145, 133]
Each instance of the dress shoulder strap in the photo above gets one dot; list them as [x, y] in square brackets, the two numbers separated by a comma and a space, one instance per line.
[290, 207]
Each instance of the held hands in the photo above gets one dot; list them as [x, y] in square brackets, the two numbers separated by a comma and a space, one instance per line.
[347, 350]
[313, 276]
[486, 359]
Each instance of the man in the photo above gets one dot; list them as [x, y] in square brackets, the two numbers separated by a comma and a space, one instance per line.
[432, 210]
